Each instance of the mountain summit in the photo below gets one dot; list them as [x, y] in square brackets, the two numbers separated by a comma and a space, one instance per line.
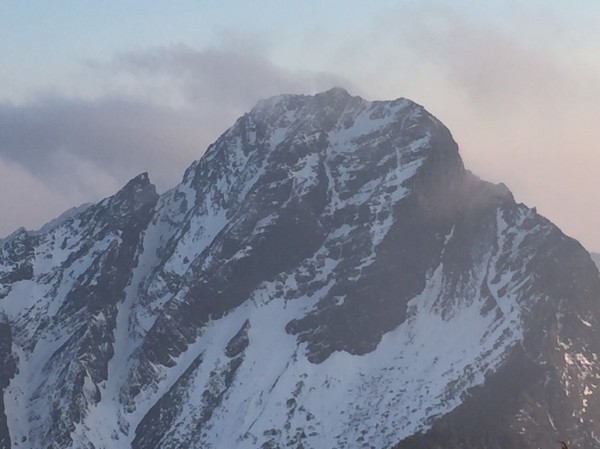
[328, 274]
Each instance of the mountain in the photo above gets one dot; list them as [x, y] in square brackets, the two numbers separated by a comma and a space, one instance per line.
[328, 274]
[596, 259]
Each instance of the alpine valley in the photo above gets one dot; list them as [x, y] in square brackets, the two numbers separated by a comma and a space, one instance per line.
[328, 275]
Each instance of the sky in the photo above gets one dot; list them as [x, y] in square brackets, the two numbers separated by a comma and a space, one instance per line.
[94, 93]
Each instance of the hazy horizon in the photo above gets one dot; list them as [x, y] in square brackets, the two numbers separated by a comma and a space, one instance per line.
[92, 95]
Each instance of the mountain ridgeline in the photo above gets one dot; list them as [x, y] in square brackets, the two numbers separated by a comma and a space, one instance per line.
[327, 275]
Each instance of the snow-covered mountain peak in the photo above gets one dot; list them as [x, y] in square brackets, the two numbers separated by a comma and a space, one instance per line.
[137, 192]
[288, 101]
[327, 275]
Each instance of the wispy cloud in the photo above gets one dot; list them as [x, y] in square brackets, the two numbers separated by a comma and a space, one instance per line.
[220, 77]
[519, 95]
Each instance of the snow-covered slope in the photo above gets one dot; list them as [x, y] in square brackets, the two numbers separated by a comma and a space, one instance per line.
[327, 275]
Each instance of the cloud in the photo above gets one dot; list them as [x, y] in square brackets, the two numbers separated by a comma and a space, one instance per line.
[28, 200]
[52, 136]
[158, 111]
[217, 82]
[520, 99]
[494, 60]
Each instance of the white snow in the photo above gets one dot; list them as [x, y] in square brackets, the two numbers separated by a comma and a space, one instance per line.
[418, 371]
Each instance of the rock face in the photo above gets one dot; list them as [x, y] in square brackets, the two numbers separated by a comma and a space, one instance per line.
[596, 258]
[327, 275]
[7, 371]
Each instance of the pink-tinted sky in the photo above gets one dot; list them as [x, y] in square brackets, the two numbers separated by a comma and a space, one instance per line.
[93, 93]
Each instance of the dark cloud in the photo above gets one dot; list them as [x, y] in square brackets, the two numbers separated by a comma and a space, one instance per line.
[123, 134]
[221, 77]
[160, 110]
[119, 137]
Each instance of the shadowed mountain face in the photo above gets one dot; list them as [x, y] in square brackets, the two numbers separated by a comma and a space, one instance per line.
[327, 275]
[596, 258]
